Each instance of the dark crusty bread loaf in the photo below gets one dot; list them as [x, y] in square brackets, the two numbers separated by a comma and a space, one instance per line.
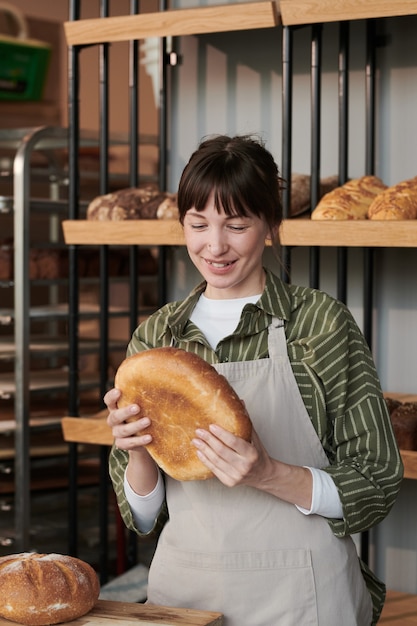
[180, 392]
[41, 589]
[301, 192]
[404, 422]
[133, 203]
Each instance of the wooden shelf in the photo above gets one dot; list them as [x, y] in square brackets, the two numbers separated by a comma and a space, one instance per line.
[294, 232]
[229, 17]
[42, 381]
[195, 21]
[296, 12]
[94, 430]
[409, 458]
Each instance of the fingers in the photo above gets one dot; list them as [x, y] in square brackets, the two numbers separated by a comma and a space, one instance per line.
[127, 432]
[111, 398]
[229, 457]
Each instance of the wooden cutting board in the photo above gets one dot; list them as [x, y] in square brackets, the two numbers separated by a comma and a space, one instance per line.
[108, 612]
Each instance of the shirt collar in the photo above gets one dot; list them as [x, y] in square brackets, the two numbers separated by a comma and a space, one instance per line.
[274, 301]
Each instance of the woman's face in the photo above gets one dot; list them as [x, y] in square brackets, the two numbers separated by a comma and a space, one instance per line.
[227, 251]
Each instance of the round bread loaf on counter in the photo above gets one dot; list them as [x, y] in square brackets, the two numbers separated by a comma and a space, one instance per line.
[42, 589]
[180, 392]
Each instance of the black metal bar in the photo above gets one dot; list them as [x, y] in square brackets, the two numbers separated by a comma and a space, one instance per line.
[286, 157]
[131, 556]
[73, 280]
[316, 49]
[163, 152]
[343, 95]
[370, 168]
[368, 268]
[134, 163]
[104, 295]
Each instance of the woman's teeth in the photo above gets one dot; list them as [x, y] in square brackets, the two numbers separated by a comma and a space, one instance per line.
[218, 265]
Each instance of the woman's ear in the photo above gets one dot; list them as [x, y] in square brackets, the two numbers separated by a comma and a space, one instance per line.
[273, 235]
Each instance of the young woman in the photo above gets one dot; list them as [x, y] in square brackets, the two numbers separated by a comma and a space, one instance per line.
[267, 540]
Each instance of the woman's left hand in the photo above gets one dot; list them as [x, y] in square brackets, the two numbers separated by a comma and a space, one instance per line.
[233, 460]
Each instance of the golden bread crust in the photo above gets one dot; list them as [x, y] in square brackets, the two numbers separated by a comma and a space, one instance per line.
[350, 201]
[398, 202]
[180, 392]
[42, 589]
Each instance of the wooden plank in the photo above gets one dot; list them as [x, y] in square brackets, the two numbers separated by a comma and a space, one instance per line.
[400, 609]
[108, 612]
[409, 458]
[293, 232]
[401, 397]
[91, 429]
[296, 12]
[131, 232]
[350, 233]
[192, 21]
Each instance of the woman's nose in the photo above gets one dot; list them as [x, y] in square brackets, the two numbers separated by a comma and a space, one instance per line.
[217, 245]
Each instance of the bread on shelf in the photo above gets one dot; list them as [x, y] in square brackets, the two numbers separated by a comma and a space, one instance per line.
[398, 202]
[404, 422]
[133, 203]
[350, 201]
[301, 192]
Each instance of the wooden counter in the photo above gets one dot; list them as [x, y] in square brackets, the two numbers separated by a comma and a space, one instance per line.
[400, 610]
[108, 612]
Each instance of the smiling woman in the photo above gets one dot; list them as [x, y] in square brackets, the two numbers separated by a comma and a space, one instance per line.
[270, 533]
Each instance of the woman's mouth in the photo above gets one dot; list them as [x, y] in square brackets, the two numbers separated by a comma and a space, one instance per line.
[219, 264]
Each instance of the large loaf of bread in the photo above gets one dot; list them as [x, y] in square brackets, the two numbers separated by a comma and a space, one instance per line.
[398, 202]
[41, 589]
[180, 392]
[350, 201]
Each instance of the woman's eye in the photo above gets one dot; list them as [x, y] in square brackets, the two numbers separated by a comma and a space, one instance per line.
[237, 228]
[198, 226]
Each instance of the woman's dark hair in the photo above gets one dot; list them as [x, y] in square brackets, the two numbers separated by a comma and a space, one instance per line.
[240, 172]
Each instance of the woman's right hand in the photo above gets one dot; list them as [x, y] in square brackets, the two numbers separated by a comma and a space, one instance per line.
[141, 471]
[126, 431]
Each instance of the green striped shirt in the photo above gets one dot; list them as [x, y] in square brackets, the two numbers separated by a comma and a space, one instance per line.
[337, 379]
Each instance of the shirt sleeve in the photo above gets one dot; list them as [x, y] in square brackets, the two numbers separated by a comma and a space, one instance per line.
[145, 509]
[325, 499]
[349, 413]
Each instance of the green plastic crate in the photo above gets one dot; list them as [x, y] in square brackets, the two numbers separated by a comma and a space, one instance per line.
[23, 68]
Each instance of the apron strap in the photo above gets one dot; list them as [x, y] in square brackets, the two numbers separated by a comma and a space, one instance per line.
[277, 341]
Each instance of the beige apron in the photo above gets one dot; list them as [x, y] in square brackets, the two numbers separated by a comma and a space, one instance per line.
[245, 553]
